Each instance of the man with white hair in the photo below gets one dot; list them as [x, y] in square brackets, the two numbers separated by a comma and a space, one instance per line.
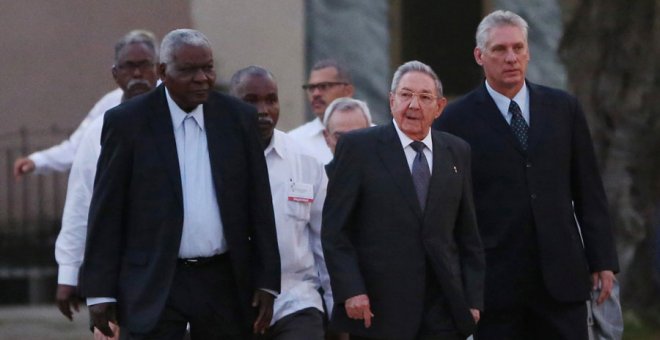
[181, 228]
[541, 207]
[59, 158]
[136, 56]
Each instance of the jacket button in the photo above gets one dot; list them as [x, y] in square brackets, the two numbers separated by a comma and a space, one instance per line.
[528, 164]
[533, 196]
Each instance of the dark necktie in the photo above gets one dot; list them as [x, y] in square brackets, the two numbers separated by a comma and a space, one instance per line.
[420, 173]
[518, 124]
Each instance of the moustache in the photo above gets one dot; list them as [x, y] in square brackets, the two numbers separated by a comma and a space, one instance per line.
[134, 82]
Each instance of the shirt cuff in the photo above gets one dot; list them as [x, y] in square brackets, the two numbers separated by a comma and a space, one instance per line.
[68, 275]
[39, 162]
[271, 292]
[97, 300]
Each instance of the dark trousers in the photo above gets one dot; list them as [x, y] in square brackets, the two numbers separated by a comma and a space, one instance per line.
[523, 308]
[205, 296]
[304, 324]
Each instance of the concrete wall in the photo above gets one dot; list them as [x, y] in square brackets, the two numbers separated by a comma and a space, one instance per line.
[263, 32]
[56, 55]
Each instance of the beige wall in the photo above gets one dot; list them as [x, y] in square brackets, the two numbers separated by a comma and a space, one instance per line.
[56, 55]
[263, 32]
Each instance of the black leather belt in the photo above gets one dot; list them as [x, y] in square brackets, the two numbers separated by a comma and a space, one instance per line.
[203, 261]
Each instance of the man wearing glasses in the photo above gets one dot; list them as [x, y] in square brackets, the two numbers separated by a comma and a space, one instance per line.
[328, 81]
[399, 232]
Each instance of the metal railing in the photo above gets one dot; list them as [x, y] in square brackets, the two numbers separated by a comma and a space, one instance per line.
[30, 209]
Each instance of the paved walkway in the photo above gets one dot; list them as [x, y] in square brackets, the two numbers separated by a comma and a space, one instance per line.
[42, 323]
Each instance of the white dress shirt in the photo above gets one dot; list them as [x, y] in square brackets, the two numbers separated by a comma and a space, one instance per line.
[410, 152]
[310, 136]
[59, 157]
[70, 244]
[502, 102]
[203, 235]
[298, 185]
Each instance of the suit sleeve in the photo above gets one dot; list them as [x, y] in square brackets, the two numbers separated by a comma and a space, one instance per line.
[266, 255]
[473, 264]
[338, 223]
[590, 202]
[99, 273]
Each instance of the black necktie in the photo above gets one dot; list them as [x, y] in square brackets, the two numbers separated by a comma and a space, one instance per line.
[420, 173]
[518, 124]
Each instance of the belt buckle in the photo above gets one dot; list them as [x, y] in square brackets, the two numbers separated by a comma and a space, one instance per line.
[190, 262]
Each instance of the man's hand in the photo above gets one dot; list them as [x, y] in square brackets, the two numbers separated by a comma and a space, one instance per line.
[264, 301]
[23, 166]
[476, 315]
[358, 308]
[66, 298]
[100, 336]
[101, 315]
[606, 279]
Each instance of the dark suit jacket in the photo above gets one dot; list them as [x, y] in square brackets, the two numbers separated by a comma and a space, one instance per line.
[136, 213]
[548, 186]
[377, 240]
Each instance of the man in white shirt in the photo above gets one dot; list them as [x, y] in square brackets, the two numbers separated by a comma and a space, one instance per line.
[134, 71]
[58, 158]
[328, 81]
[298, 185]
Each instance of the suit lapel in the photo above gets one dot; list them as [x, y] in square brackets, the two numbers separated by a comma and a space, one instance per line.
[394, 160]
[443, 167]
[488, 111]
[213, 115]
[163, 132]
[537, 115]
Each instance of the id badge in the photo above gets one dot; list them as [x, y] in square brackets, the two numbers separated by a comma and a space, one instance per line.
[301, 192]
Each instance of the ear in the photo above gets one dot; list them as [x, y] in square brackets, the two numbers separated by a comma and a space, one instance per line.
[326, 136]
[391, 101]
[161, 71]
[478, 56]
[349, 90]
[114, 72]
[442, 102]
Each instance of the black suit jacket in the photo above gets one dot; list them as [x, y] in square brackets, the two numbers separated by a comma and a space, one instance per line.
[377, 241]
[136, 213]
[549, 186]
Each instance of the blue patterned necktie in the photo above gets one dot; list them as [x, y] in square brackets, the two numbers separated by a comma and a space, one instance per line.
[518, 124]
[421, 173]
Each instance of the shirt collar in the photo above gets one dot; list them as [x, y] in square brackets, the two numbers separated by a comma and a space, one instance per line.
[503, 101]
[178, 115]
[317, 125]
[405, 140]
[277, 145]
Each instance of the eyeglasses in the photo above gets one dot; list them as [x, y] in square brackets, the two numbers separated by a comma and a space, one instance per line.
[132, 66]
[324, 86]
[424, 98]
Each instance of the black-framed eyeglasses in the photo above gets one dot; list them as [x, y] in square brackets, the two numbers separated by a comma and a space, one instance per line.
[324, 86]
[132, 66]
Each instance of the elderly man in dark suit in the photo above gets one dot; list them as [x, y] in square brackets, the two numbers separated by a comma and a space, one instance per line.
[181, 224]
[399, 230]
[540, 202]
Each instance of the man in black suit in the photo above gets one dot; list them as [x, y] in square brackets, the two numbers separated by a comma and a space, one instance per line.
[399, 230]
[540, 202]
[181, 224]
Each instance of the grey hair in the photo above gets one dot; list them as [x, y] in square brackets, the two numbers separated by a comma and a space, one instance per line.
[416, 66]
[137, 37]
[346, 104]
[498, 18]
[183, 36]
[343, 74]
[252, 70]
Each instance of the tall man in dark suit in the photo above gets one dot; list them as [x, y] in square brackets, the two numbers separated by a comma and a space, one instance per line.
[181, 224]
[540, 202]
[399, 229]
